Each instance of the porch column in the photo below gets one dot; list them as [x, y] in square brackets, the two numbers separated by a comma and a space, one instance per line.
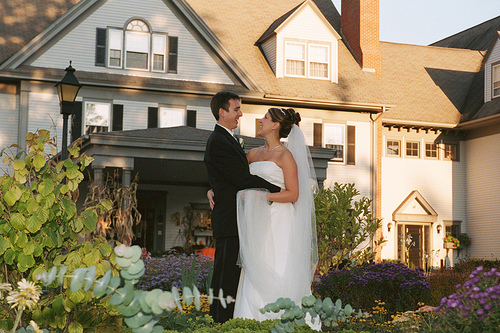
[97, 175]
[22, 127]
[126, 176]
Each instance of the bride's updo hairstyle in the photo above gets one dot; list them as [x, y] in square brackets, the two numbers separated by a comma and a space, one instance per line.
[286, 117]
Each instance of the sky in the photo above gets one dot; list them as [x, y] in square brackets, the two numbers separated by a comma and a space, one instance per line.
[423, 22]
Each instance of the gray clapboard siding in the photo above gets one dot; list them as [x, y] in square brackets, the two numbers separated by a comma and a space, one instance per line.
[78, 45]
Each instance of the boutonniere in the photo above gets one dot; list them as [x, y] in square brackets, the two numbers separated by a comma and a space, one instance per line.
[242, 143]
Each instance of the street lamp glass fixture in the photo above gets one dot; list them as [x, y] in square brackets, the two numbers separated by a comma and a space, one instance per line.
[67, 89]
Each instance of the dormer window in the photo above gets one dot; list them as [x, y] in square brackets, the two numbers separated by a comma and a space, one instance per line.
[136, 47]
[496, 80]
[307, 59]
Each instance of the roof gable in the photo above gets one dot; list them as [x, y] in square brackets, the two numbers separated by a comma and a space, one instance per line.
[72, 36]
[414, 208]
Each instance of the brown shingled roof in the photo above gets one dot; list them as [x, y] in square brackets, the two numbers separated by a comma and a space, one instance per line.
[427, 84]
[23, 20]
[240, 25]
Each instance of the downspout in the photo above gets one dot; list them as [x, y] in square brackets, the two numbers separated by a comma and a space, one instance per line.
[376, 200]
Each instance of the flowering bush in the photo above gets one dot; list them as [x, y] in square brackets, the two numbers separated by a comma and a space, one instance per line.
[474, 304]
[167, 272]
[400, 287]
[451, 239]
[464, 239]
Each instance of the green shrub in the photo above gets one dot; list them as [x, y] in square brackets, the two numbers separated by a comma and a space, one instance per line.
[343, 225]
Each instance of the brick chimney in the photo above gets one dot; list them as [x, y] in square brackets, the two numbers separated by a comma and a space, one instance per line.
[360, 26]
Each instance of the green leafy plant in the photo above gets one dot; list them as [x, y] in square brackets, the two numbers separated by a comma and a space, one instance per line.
[452, 239]
[325, 310]
[464, 239]
[343, 225]
[141, 310]
[40, 226]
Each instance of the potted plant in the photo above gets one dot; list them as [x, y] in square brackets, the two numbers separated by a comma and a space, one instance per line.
[451, 242]
[464, 239]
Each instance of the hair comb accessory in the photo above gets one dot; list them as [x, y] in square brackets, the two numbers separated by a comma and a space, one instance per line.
[282, 111]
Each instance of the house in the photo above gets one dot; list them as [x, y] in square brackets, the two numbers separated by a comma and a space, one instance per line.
[389, 117]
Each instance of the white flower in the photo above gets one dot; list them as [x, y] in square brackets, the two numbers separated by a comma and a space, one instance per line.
[242, 143]
[35, 327]
[5, 287]
[27, 296]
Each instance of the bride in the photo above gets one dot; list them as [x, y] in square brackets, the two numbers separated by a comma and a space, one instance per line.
[278, 252]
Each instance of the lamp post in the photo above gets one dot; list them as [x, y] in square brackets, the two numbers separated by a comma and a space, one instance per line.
[67, 89]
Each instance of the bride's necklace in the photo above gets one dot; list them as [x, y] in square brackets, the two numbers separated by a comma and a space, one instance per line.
[271, 148]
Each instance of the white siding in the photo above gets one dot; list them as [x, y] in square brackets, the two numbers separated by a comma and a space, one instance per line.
[441, 183]
[494, 57]
[204, 118]
[135, 114]
[44, 113]
[269, 48]
[483, 186]
[9, 120]
[307, 26]
[78, 45]
[360, 173]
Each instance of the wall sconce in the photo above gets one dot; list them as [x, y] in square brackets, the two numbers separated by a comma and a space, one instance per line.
[389, 226]
[439, 227]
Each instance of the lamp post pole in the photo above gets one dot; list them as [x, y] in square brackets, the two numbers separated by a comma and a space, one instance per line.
[67, 89]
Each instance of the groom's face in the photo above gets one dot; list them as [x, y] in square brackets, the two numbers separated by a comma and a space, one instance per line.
[229, 118]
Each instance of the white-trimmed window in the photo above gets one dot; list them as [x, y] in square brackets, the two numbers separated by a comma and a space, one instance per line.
[413, 149]
[431, 150]
[307, 60]
[496, 80]
[393, 148]
[334, 138]
[137, 47]
[318, 60]
[450, 151]
[295, 58]
[97, 117]
[171, 117]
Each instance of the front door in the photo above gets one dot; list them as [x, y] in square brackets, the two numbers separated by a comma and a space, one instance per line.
[414, 232]
[149, 233]
[413, 242]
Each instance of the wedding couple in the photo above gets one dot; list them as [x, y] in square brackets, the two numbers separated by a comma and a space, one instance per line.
[262, 211]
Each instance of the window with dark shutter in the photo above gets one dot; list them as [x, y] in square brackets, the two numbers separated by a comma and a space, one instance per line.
[351, 145]
[172, 54]
[100, 47]
[152, 117]
[191, 118]
[117, 117]
[76, 121]
[318, 135]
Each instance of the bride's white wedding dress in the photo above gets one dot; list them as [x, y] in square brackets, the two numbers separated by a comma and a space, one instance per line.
[275, 249]
[270, 241]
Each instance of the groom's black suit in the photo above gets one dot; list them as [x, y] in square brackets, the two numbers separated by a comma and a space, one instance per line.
[228, 172]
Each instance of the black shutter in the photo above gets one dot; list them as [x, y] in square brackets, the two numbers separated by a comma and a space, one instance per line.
[172, 54]
[191, 118]
[152, 117]
[117, 117]
[351, 145]
[76, 121]
[318, 135]
[100, 47]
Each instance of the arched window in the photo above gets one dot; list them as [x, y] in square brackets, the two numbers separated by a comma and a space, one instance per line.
[136, 47]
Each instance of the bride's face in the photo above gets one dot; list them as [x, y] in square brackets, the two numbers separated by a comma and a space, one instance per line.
[267, 125]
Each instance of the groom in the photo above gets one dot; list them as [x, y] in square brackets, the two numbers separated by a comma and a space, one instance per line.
[228, 172]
